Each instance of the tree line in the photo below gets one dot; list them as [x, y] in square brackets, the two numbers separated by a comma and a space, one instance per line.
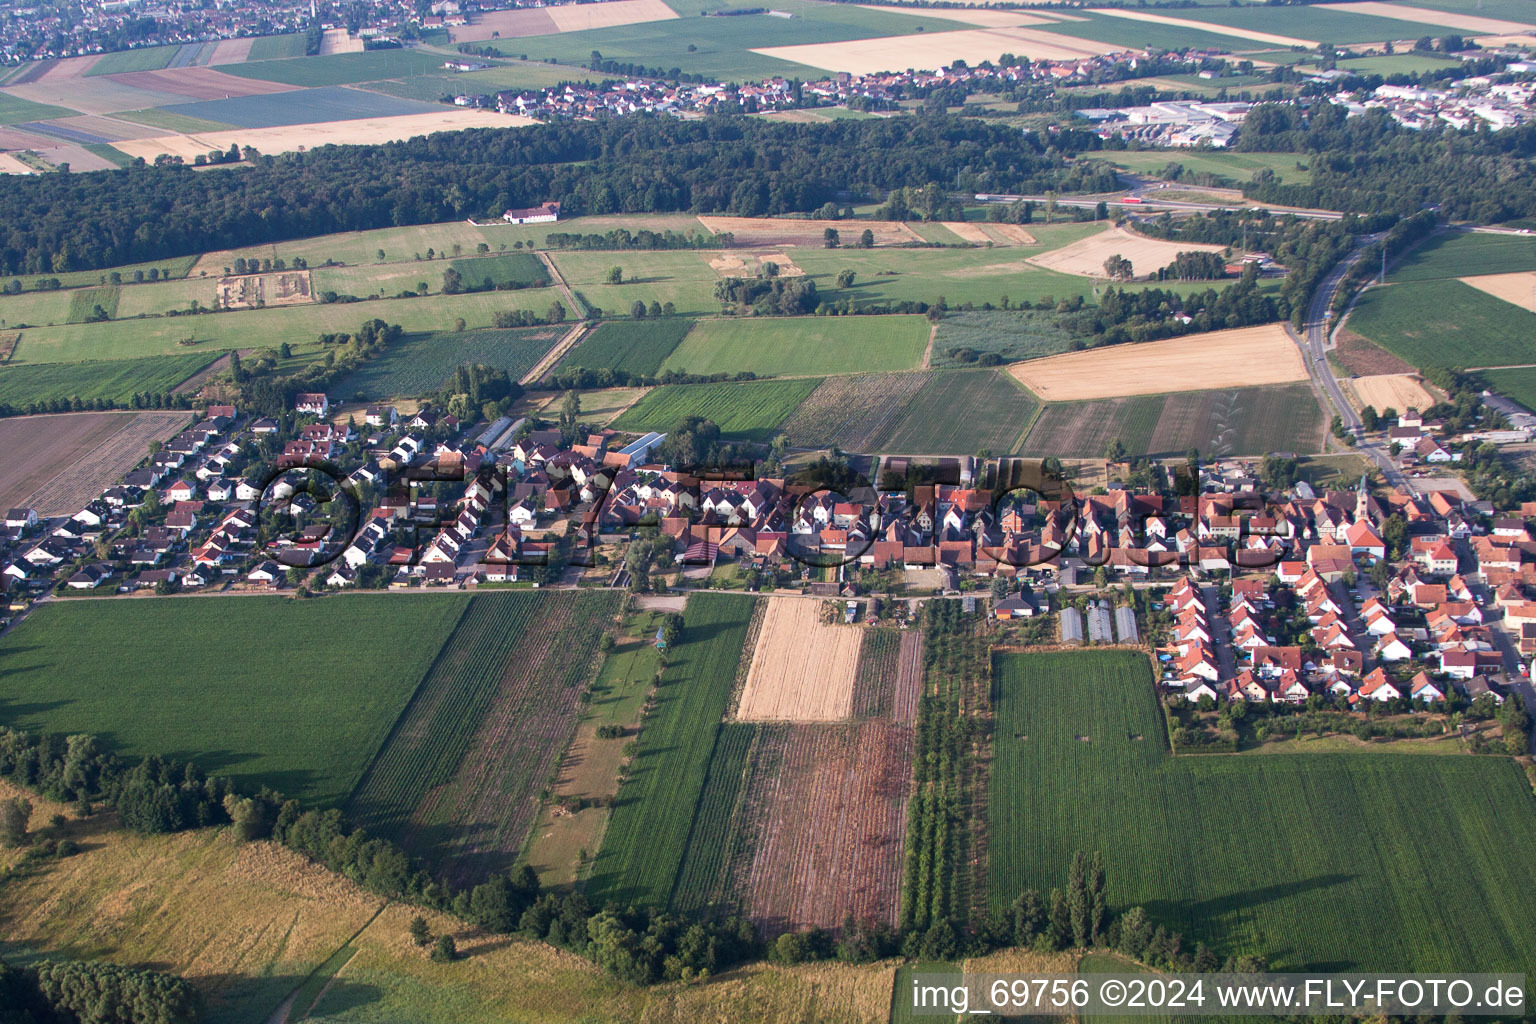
[727, 164]
[85, 992]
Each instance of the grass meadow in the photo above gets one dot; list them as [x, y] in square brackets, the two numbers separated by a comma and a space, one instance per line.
[297, 695]
[1445, 323]
[116, 380]
[751, 410]
[801, 345]
[1305, 859]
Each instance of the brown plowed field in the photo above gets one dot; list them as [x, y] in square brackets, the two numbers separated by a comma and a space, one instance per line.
[909, 677]
[827, 805]
[802, 670]
[1364, 358]
[57, 464]
[200, 83]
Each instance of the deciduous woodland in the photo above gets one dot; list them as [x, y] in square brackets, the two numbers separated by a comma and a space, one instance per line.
[727, 164]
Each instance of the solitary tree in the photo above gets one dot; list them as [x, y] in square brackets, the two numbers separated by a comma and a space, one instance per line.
[867, 239]
[420, 933]
[845, 278]
[446, 950]
[14, 815]
[615, 275]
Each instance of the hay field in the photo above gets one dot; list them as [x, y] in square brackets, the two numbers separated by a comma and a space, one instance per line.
[1392, 390]
[1086, 257]
[931, 50]
[1244, 357]
[802, 670]
[1202, 26]
[56, 464]
[1518, 288]
[1425, 16]
[290, 138]
[613, 14]
[771, 231]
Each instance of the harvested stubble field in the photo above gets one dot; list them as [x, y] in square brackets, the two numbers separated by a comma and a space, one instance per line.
[932, 50]
[826, 806]
[57, 464]
[632, 346]
[751, 410]
[80, 467]
[802, 669]
[890, 677]
[1243, 357]
[769, 231]
[1393, 390]
[1445, 323]
[850, 411]
[1147, 255]
[1244, 421]
[1425, 16]
[653, 822]
[296, 695]
[1303, 889]
[459, 779]
[957, 412]
[1518, 288]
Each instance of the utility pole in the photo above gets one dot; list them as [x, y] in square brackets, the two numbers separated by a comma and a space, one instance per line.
[1383, 262]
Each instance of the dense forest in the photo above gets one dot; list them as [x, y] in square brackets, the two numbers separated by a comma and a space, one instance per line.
[1372, 164]
[727, 164]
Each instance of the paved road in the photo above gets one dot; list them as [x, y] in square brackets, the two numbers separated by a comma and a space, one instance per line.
[1314, 350]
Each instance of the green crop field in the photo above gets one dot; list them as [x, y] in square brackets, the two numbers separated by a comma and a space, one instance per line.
[14, 110]
[780, 345]
[1445, 323]
[297, 695]
[1302, 858]
[519, 267]
[957, 412]
[339, 68]
[704, 871]
[1397, 64]
[958, 276]
[1141, 34]
[1241, 421]
[1237, 166]
[495, 79]
[1013, 336]
[634, 346]
[164, 296]
[1519, 385]
[116, 380]
[1464, 254]
[650, 832]
[300, 326]
[277, 47]
[147, 58]
[83, 302]
[752, 410]
[172, 121]
[421, 363]
[458, 781]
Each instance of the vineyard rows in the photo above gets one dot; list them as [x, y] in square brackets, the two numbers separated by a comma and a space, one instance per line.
[890, 675]
[649, 833]
[718, 836]
[459, 779]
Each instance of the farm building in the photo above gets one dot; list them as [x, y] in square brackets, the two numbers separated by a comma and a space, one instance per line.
[1100, 629]
[548, 213]
[1071, 626]
[1125, 625]
[636, 452]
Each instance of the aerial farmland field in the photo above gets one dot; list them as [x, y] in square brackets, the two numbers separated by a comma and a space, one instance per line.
[1241, 421]
[153, 680]
[1463, 254]
[1302, 889]
[1519, 385]
[653, 822]
[116, 380]
[852, 410]
[1445, 323]
[458, 783]
[58, 463]
[633, 346]
[801, 345]
[421, 363]
[751, 410]
[956, 412]
[339, 68]
[682, 277]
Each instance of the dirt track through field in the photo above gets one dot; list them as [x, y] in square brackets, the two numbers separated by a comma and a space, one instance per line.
[57, 464]
[827, 808]
[1244, 357]
[802, 670]
[1086, 256]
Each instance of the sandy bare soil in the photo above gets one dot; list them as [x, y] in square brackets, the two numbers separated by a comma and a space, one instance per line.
[612, 14]
[1087, 255]
[766, 231]
[232, 51]
[968, 232]
[929, 51]
[1204, 26]
[1245, 357]
[336, 40]
[527, 21]
[1495, 42]
[1425, 16]
[802, 670]
[363, 131]
[1392, 390]
[57, 464]
[1519, 287]
[285, 288]
[200, 83]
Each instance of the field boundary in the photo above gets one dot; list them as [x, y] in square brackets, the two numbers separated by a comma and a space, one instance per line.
[551, 359]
